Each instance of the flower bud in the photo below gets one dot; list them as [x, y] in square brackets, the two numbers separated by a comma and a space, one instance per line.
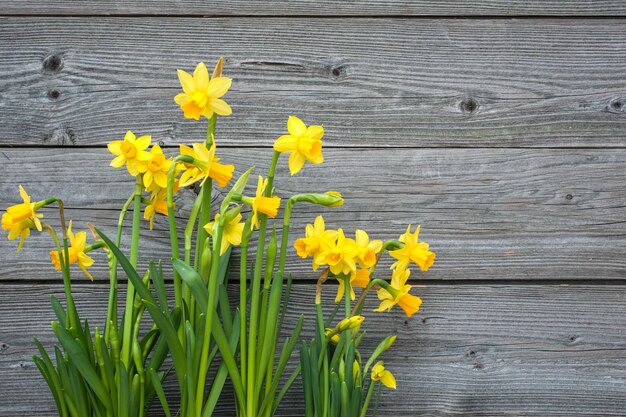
[205, 259]
[353, 322]
[329, 199]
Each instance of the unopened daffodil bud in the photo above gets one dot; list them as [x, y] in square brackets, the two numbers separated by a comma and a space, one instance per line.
[328, 199]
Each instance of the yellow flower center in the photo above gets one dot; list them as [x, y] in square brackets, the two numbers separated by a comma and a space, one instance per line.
[333, 258]
[200, 98]
[157, 162]
[128, 150]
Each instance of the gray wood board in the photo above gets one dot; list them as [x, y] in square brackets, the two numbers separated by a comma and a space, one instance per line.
[318, 8]
[471, 350]
[488, 213]
[381, 82]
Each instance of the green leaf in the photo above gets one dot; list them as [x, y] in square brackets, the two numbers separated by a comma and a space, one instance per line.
[158, 388]
[194, 282]
[79, 358]
[237, 188]
[162, 320]
[58, 309]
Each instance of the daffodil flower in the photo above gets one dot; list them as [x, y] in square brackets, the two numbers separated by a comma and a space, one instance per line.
[367, 250]
[132, 152]
[340, 255]
[315, 236]
[208, 166]
[20, 218]
[379, 373]
[398, 294]
[158, 204]
[359, 278]
[413, 251]
[262, 204]
[231, 233]
[156, 168]
[304, 143]
[201, 96]
[76, 251]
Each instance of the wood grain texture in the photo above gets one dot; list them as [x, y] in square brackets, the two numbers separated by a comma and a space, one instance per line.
[477, 350]
[318, 8]
[380, 82]
[528, 214]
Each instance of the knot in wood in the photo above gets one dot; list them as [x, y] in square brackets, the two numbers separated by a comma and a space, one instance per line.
[54, 94]
[53, 63]
[616, 104]
[468, 105]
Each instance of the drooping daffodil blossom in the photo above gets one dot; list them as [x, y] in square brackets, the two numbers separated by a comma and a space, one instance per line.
[201, 96]
[379, 373]
[20, 218]
[132, 152]
[231, 233]
[398, 294]
[157, 204]
[359, 278]
[260, 203]
[207, 165]
[76, 251]
[303, 143]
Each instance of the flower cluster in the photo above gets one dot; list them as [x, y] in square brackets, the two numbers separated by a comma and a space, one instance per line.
[200, 322]
[353, 260]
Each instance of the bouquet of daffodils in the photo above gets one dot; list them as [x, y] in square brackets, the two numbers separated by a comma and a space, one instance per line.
[203, 337]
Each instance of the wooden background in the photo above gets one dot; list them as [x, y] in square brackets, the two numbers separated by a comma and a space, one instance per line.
[498, 125]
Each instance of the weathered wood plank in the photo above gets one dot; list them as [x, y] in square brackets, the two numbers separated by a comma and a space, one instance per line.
[319, 8]
[488, 213]
[384, 82]
[472, 349]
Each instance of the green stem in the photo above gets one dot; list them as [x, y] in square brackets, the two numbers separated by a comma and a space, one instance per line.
[346, 293]
[171, 217]
[130, 292]
[203, 369]
[112, 305]
[256, 287]
[243, 296]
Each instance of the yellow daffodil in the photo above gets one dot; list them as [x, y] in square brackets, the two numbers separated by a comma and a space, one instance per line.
[158, 204]
[20, 218]
[304, 143]
[379, 373]
[340, 255]
[156, 168]
[359, 278]
[76, 252]
[398, 293]
[209, 166]
[367, 250]
[413, 251]
[315, 236]
[231, 233]
[201, 96]
[262, 204]
[132, 152]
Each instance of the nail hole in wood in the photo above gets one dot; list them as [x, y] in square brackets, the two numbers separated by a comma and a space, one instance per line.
[569, 196]
[469, 105]
[53, 63]
[54, 94]
[471, 353]
[161, 143]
